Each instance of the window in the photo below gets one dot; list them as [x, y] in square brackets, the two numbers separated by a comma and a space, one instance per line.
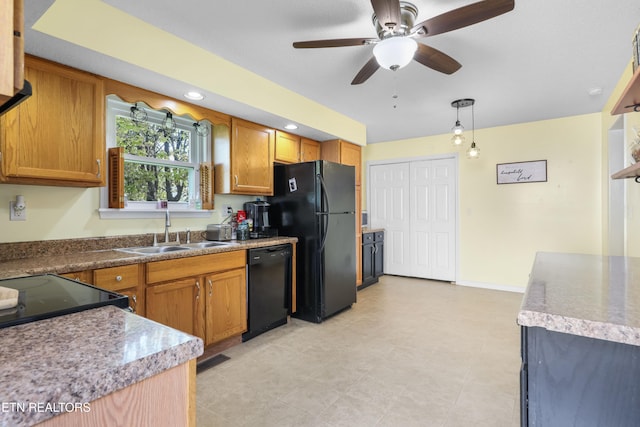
[161, 160]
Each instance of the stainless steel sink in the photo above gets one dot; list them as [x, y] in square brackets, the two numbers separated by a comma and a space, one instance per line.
[151, 250]
[201, 245]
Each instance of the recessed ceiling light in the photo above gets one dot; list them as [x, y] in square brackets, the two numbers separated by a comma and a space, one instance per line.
[291, 126]
[193, 95]
[595, 91]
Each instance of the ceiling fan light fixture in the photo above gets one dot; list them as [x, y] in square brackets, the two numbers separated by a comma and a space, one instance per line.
[394, 53]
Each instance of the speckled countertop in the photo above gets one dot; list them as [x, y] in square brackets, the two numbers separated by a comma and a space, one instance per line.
[81, 357]
[371, 230]
[587, 295]
[64, 256]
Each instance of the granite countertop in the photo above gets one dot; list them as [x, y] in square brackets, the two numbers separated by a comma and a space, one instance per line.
[586, 295]
[78, 260]
[371, 230]
[81, 357]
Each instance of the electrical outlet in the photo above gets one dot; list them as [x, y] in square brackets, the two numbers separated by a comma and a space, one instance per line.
[17, 214]
[227, 209]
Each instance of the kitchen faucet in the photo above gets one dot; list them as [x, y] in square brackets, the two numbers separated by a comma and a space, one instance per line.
[167, 224]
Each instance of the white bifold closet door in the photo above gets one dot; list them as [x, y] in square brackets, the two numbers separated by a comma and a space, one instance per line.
[415, 203]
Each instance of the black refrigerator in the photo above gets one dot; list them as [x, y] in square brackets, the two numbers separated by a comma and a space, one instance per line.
[315, 202]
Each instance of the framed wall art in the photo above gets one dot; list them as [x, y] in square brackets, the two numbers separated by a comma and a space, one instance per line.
[519, 173]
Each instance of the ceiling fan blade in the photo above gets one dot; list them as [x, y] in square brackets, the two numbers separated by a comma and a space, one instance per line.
[365, 72]
[435, 59]
[464, 16]
[333, 43]
[387, 12]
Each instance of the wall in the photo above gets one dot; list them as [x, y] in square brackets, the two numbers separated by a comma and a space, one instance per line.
[503, 226]
[65, 213]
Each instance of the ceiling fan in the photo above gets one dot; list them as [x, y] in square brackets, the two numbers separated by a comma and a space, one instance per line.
[395, 46]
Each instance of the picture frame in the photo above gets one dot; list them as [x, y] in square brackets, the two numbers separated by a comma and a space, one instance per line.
[521, 172]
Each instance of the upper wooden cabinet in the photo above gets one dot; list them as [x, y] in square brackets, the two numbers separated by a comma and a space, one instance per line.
[56, 137]
[287, 147]
[309, 150]
[244, 162]
[11, 48]
[339, 151]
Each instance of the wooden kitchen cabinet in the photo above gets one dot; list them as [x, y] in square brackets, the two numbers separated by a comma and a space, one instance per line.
[56, 136]
[287, 147]
[11, 48]
[202, 295]
[127, 280]
[178, 304]
[85, 276]
[309, 150]
[244, 162]
[226, 305]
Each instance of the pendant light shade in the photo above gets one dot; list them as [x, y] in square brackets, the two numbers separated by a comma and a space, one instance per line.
[457, 139]
[138, 114]
[169, 123]
[394, 53]
[458, 128]
[473, 152]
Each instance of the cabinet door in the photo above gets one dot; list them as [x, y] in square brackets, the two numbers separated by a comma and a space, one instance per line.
[350, 155]
[287, 147]
[251, 158]
[368, 275]
[178, 304]
[226, 308]
[378, 259]
[56, 136]
[126, 280]
[85, 276]
[309, 150]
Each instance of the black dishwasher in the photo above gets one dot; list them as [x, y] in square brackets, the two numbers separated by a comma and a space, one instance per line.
[268, 289]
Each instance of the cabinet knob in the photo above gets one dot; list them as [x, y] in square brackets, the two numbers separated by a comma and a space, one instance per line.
[118, 278]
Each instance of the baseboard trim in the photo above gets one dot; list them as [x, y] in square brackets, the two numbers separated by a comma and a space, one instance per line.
[493, 286]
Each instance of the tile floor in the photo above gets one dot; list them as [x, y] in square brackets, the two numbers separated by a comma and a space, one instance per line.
[411, 352]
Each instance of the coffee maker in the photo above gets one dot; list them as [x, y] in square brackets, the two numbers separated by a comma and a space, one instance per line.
[258, 213]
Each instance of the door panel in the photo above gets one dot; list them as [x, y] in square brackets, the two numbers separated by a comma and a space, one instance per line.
[415, 203]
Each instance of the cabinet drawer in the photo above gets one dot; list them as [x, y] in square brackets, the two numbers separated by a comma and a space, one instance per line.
[367, 238]
[378, 236]
[116, 278]
[162, 271]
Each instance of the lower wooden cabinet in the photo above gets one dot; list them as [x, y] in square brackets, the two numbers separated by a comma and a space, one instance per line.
[205, 296]
[177, 304]
[127, 280]
[226, 305]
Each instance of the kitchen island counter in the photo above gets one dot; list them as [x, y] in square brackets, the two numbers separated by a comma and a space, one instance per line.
[585, 295]
[71, 366]
[580, 320]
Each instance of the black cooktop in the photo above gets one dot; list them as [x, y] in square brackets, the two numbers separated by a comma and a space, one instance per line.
[47, 295]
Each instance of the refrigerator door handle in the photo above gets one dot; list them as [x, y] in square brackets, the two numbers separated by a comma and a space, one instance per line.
[324, 229]
[323, 194]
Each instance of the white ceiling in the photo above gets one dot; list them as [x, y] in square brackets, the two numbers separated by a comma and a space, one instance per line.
[536, 62]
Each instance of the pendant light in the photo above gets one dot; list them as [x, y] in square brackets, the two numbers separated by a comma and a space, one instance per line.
[473, 152]
[169, 123]
[458, 138]
[138, 114]
[201, 128]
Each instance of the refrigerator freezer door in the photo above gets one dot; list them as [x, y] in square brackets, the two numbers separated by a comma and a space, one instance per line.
[339, 187]
[338, 289]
